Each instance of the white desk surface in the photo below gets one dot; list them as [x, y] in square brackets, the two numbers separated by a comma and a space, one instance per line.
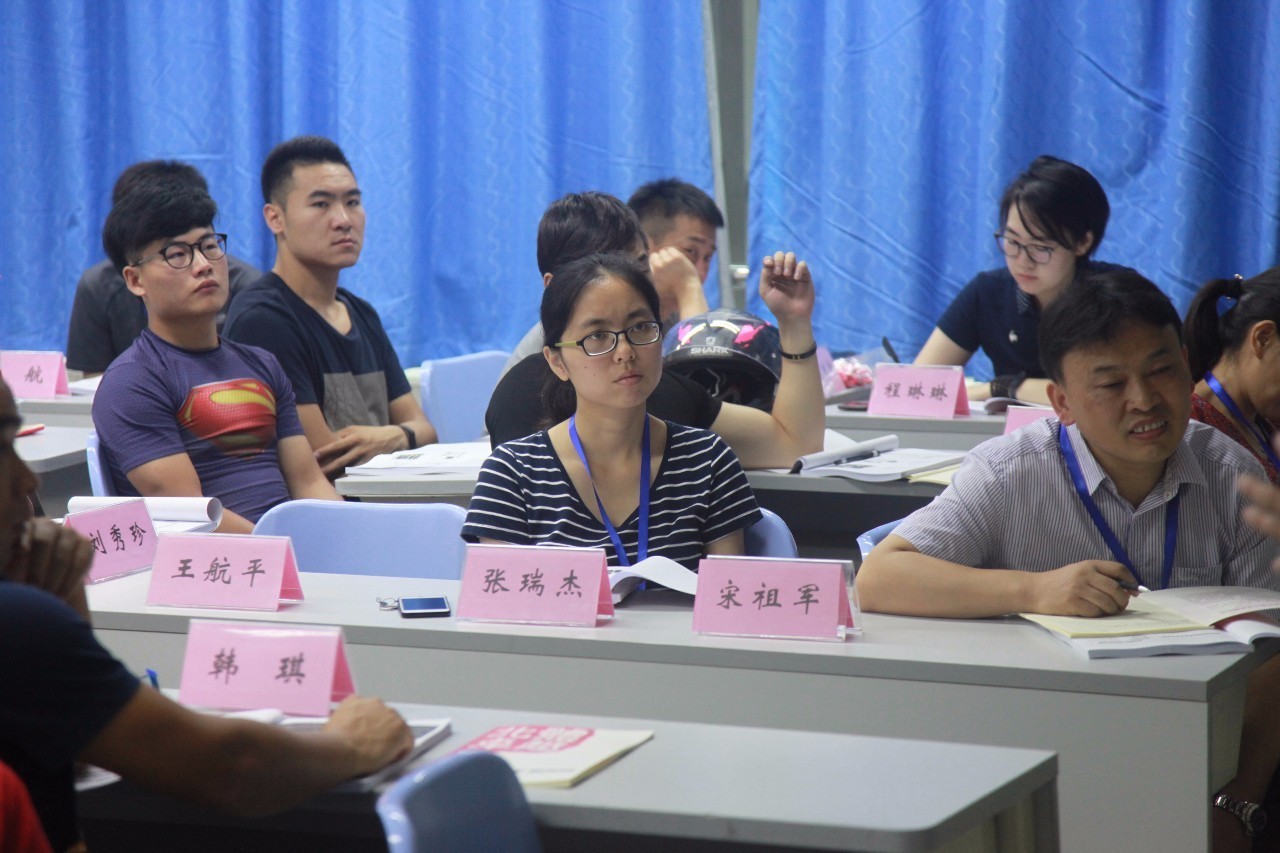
[59, 411]
[963, 433]
[1164, 731]
[52, 448]
[743, 785]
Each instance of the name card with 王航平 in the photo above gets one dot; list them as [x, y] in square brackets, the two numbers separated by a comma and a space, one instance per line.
[535, 585]
[238, 666]
[926, 391]
[34, 375]
[123, 538]
[763, 597]
[224, 570]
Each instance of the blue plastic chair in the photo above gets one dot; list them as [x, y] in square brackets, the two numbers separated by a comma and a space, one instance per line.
[456, 392]
[418, 540]
[100, 482]
[770, 537]
[872, 537]
[466, 801]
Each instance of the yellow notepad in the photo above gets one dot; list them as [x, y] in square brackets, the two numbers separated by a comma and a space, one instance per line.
[1181, 609]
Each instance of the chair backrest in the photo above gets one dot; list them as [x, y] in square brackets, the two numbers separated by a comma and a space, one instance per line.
[770, 537]
[466, 801]
[456, 391]
[100, 482]
[872, 537]
[418, 540]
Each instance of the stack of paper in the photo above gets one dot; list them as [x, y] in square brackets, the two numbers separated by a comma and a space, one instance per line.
[169, 515]
[432, 459]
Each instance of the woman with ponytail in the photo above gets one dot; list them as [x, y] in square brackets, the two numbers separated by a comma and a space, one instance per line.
[607, 474]
[1232, 333]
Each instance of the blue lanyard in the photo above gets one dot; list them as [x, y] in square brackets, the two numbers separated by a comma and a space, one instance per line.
[1117, 550]
[1263, 439]
[642, 544]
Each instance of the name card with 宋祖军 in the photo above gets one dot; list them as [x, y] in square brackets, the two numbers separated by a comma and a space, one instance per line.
[238, 666]
[33, 374]
[222, 570]
[123, 538]
[1016, 417]
[535, 585]
[936, 391]
[763, 597]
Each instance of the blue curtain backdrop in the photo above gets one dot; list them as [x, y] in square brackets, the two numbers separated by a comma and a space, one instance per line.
[885, 132]
[462, 119]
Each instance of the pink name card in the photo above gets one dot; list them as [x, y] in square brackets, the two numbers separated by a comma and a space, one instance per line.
[237, 666]
[123, 537]
[761, 597]
[535, 585]
[34, 374]
[1016, 417]
[221, 570]
[924, 391]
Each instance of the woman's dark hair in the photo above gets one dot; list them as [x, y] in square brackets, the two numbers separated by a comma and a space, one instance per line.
[560, 298]
[1223, 312]
[1060, 199]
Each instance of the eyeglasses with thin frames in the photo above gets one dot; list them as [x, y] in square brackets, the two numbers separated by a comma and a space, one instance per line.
[602, 343]
[1037, 253]
[180, 255]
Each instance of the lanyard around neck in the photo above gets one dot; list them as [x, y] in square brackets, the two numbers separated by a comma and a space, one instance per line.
[1117, 550]
[1263, 439]
[642, 543]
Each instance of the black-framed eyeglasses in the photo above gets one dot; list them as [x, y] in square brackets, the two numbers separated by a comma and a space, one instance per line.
[1037, 253]
[602, 343]
[179, 255]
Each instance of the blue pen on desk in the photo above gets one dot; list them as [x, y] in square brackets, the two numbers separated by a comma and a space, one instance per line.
[153, 678]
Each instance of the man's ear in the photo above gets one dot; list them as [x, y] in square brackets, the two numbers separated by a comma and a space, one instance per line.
[556, 363]
[546, 279]
[273, 214]
[1058, 399]
[133, 281]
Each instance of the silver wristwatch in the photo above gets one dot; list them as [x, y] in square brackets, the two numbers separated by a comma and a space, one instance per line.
[1252, 815]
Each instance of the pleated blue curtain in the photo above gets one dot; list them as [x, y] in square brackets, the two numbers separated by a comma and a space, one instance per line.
[462, 119]
[885, 132]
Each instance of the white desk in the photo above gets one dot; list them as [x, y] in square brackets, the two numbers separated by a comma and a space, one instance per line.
[73, 411]
[57, 454]
[964, 433]
[1159, 732]
[714, 784]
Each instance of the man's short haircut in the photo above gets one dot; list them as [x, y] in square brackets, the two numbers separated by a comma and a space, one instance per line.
[1059, 201]
[157, 171]
[153, 211]
[658, 203]
[277, 171]
[1096, 309]
[582, 224]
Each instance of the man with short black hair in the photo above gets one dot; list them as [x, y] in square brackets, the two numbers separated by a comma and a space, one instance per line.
[680, 221]
[105, 317]
[354, 400]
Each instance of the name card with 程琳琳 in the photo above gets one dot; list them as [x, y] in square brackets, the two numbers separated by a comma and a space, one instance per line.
[936, 391]
[33, 374]
[1016, 417]
[221, 570]
[123, 538]
[535, 585]
[763, 597]
[238, 666]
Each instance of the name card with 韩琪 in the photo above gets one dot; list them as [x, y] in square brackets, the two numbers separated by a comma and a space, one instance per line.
[1016, 417]
[936, 391]
[535, 585]
[239, 666]
[123, 538]
[221, 570]
[763, 597]
[34, 375]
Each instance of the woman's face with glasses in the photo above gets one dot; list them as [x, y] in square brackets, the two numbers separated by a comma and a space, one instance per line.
[1041, 267]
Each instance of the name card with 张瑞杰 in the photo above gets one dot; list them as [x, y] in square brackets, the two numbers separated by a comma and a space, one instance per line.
[222, 570]
[123, 538]
[934, 391]
[34, 375]
[237, 666]
[765, 597]
[535, 585]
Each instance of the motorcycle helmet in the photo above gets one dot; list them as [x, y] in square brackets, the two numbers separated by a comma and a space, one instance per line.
[734, 355]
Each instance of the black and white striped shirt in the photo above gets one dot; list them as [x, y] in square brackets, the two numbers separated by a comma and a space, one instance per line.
[1012, 505]
[524, 496]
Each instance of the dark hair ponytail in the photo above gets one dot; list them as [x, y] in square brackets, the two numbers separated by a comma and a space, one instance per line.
[1223, 312]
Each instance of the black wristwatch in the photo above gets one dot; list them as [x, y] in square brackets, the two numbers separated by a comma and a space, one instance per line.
[1252, 815]
[1007, 385]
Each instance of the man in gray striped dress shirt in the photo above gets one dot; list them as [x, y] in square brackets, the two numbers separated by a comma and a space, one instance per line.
[1070, 516]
